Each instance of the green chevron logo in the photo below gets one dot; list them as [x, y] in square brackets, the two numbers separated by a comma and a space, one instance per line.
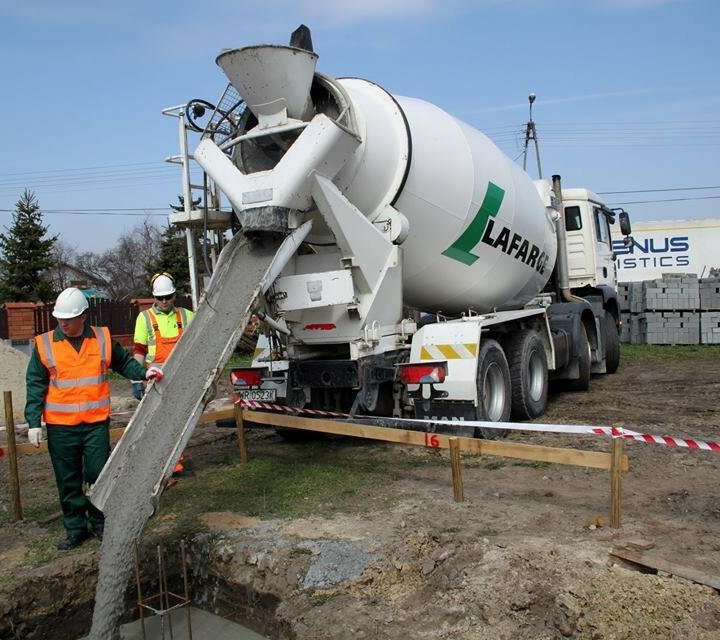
[481, 230]
[460, 250]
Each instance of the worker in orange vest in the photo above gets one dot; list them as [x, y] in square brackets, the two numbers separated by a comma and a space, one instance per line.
[67, 387]
[157, 331]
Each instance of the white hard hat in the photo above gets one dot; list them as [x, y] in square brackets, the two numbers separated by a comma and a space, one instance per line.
[163, 285]
[70, 303]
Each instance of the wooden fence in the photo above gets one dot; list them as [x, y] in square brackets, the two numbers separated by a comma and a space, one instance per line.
[118, 316]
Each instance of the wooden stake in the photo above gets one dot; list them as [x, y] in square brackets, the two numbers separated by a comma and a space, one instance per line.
[12, 455]
[616, 456]
[240, 425]
[456, 470]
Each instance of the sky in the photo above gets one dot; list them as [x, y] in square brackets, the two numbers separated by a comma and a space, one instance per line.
[627, 91]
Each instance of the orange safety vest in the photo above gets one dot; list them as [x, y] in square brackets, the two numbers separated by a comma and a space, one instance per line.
[163, 345]
[79, 390]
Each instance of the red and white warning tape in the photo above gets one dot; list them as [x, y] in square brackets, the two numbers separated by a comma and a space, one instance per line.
[615, 432]
[688, 443]
[255, 404]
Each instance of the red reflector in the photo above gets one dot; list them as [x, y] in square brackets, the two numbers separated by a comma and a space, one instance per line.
[423, 373]
[320, 326]
[246, 377]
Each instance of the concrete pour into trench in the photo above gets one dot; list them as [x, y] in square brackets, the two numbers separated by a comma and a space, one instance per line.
[160, 426]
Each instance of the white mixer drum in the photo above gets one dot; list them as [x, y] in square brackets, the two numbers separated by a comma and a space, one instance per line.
[480, 234]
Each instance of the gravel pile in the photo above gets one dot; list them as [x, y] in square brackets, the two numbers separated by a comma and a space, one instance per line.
[13, 364]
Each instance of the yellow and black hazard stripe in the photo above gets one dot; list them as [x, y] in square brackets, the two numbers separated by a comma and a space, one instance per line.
[457, 351]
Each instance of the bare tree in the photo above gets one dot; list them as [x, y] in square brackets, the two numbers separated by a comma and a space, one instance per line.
[62, 273]
[122, 270]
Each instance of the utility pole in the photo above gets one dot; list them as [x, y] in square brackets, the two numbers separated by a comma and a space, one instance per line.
[531, 134]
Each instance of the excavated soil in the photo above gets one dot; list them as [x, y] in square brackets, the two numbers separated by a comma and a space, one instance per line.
[525, 556]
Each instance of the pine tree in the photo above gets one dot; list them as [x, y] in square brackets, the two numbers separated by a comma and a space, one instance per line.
[173, 259]
[26, 255]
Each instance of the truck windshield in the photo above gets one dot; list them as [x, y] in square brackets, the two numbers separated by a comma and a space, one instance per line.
[602, 226]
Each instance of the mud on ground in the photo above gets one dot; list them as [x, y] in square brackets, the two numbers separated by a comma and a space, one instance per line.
[338, 538]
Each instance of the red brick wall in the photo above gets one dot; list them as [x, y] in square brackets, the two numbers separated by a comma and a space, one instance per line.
[142, 303]
[21, 320]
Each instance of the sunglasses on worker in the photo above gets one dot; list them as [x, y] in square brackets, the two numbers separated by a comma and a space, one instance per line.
[163, 298]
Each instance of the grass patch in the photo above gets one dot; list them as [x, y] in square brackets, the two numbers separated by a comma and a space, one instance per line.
[319, 599]
[645, 352]
[493, 465]
[42, 551]
[35, 512]
[315, 480]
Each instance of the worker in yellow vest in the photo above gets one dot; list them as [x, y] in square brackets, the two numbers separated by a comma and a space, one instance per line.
[68, 389]
[157, 331]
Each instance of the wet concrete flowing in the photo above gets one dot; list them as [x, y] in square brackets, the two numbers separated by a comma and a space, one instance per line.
[163, 423]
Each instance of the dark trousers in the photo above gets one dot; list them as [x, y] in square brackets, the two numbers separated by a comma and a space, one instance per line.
[78, 454]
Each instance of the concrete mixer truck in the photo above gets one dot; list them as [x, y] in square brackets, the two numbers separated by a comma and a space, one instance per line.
[424, 273]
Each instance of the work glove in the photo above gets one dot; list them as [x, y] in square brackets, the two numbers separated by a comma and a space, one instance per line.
[154, 373]
[35, 436]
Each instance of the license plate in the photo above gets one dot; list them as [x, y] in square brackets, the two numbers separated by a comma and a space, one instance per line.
[259, 395]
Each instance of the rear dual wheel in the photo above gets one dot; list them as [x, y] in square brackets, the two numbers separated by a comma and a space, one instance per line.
[527, 360]
[512, 381]
[493, 386]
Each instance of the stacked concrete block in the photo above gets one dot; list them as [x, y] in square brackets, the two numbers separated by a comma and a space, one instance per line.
[625, 322]
[675, 309]
[710, 310]
[624, 295]
[672, 292]
[710, 327]
[710, 294]
[636, 298]
[631, 328]
[670, 327]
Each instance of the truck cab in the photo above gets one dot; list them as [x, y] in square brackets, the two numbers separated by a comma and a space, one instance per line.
[591, 260]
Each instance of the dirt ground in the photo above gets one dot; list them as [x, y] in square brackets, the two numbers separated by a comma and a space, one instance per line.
[374, 546]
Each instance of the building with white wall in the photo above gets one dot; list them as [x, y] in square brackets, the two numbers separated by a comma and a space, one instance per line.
[668, 246]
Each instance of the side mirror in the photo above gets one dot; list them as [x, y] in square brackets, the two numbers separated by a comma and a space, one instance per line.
[625, 226]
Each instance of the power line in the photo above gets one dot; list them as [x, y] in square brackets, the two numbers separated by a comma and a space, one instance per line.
[103, 212]
[668, 200]
[102, 166]
[100, 209]
[133, 174]
[659, 190]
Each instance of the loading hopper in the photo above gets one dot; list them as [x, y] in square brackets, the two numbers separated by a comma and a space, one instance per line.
[271, 77]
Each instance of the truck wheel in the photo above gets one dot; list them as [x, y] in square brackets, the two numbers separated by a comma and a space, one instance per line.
[612, 343]
[528, 374]
[582, 383]
[493, 384]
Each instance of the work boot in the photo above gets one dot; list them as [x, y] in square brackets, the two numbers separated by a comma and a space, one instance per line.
[98, 530]
[73, 540]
